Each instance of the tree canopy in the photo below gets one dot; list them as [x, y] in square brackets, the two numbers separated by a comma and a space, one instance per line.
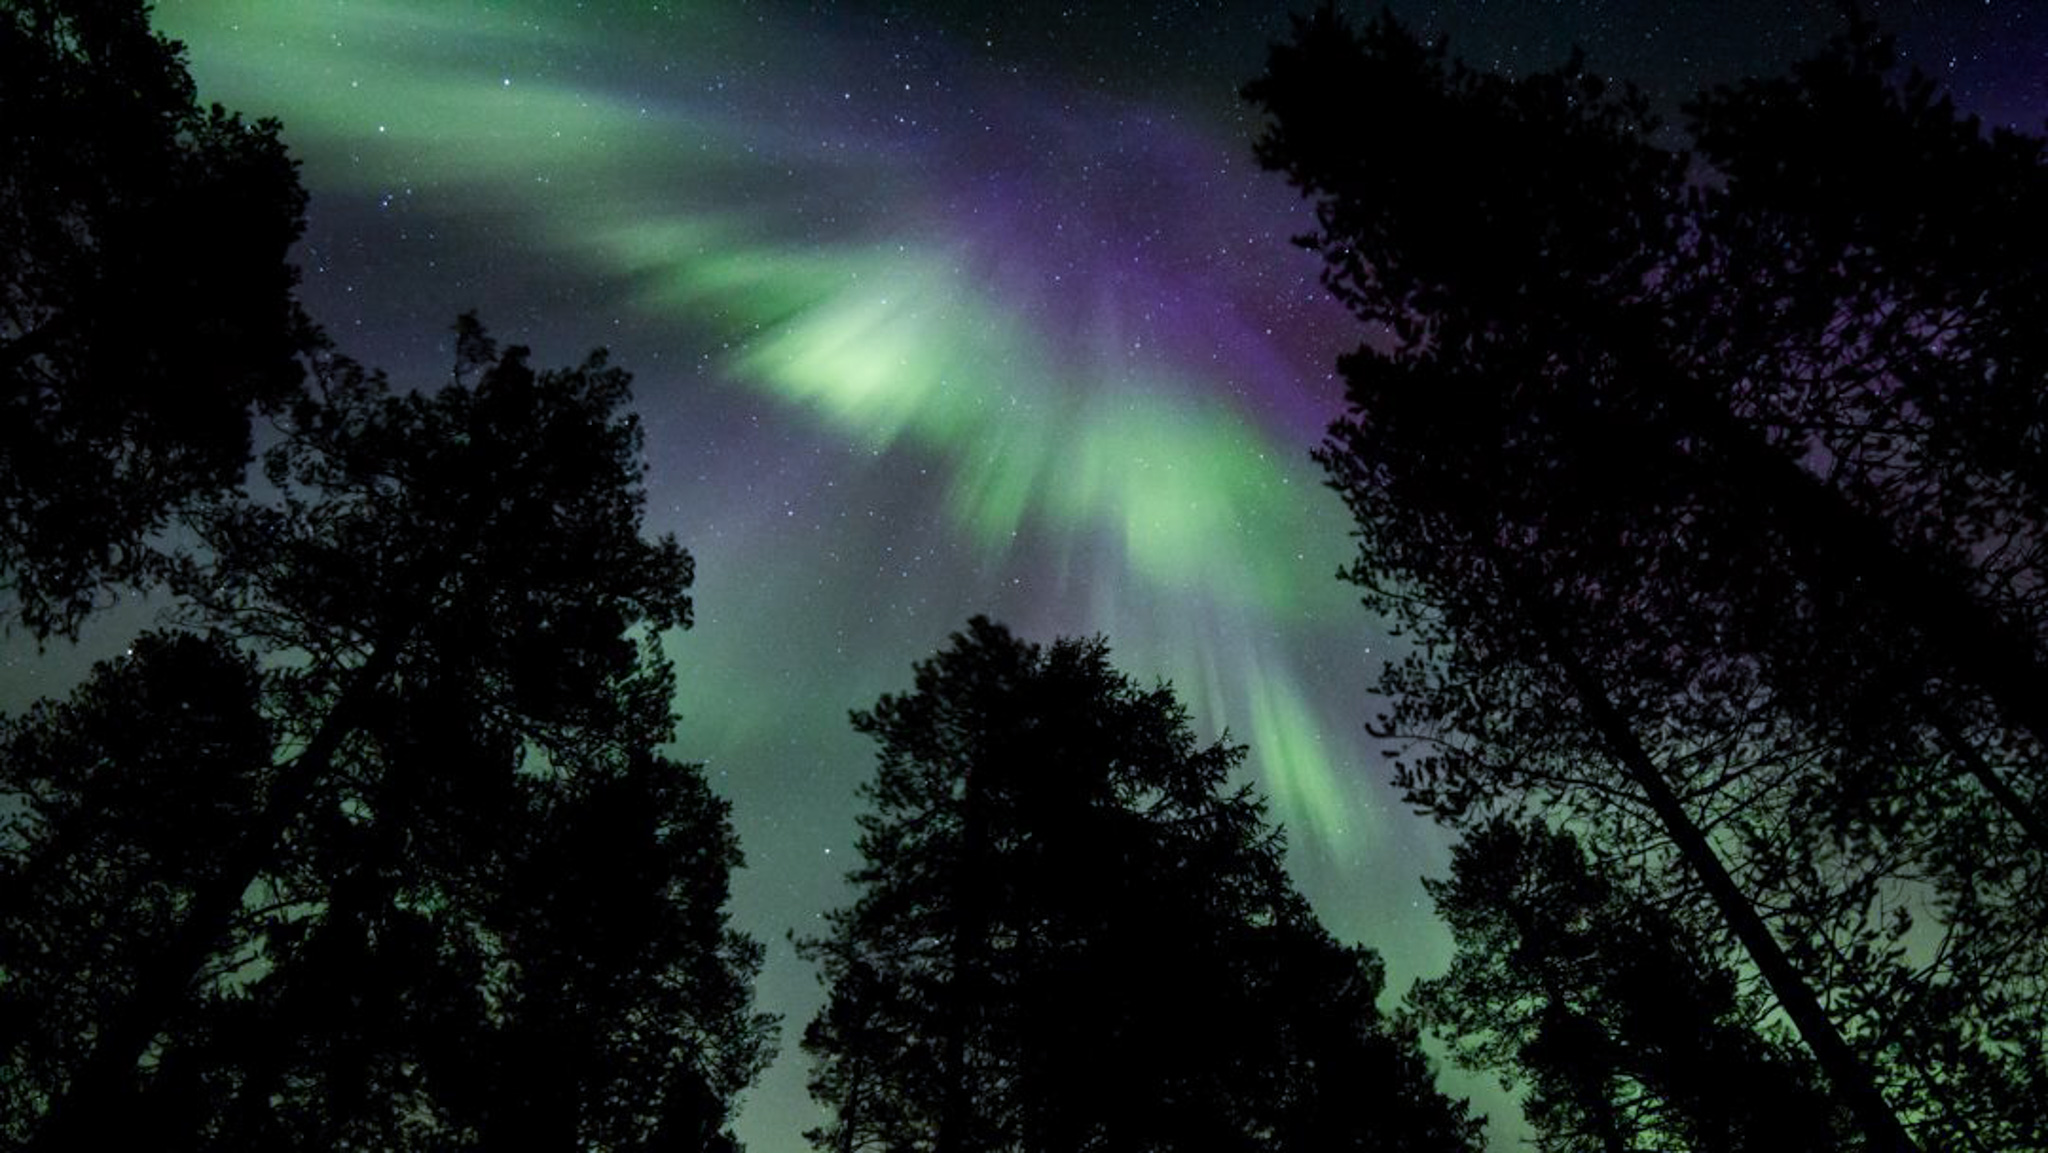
[145, 300]
[392, 857]
[1070, 932]
[1629, 1033]
[1701, 481]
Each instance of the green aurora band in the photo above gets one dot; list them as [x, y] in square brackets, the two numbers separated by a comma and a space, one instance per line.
[1002, 344]
[890, 342]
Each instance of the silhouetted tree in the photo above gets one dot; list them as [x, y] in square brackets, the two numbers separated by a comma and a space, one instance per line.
[1628, 1035]
[1070, 934]
[1703, 493]
[145, 302]
[466, 898]
[1862, 299]
[118, 807]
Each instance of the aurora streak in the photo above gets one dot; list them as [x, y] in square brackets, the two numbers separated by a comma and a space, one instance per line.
[928, 317]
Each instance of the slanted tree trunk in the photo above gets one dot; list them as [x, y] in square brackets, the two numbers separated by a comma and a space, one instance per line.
[1846, 1072]
[2008, 798]
[1962, 633]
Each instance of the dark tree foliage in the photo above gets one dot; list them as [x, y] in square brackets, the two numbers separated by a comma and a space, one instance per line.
[145, 302]
[1069, 933]
[1628, 1036]
[117, 805]
[464, 902]
[1703, 484]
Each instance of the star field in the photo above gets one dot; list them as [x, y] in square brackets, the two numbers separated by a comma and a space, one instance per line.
[932, 312]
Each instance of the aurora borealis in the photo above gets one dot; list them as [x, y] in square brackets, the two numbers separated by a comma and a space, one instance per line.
[931, 313]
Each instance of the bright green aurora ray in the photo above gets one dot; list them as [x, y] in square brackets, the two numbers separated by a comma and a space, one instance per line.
[890, 341]
[917, 333]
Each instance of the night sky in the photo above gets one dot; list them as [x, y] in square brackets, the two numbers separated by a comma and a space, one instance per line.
[935, 312]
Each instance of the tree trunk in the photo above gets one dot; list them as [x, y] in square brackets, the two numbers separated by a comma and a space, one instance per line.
[970, 953]
[1961, 632]
[2005, 795]
[1849, 1075]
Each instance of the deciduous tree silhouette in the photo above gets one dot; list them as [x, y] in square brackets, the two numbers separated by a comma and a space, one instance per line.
[145, 301]
[1069, 933]
[1680, 471]
[464, 899]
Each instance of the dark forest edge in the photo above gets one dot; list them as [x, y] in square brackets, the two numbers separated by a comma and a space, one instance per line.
[1708, 485]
